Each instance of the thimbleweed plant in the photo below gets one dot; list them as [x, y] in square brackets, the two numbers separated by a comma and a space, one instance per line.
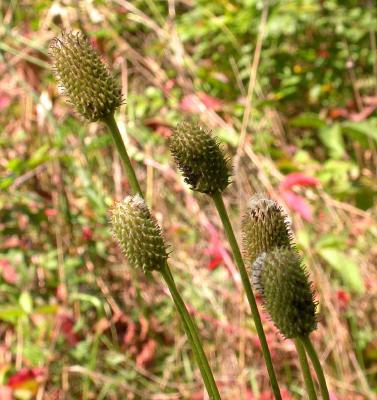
[200, 158]
[141, 241]
[138, 234]
[282, 280]
[206, 169]
[264, 227]
[95, 94]
[90, 88]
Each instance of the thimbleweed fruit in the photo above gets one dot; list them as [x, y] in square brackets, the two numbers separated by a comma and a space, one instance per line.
[264, 227]
[138, 234]
[83, 77]
[200, 158]
[282, 280]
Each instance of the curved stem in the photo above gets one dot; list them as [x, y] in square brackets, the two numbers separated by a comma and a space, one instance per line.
[113, 127]
[317, 366]
[217, 197]
[192, 333]
[305, 370]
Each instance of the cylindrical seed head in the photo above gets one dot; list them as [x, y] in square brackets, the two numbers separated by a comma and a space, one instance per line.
[280, 277]
[264, 227]
[200, 158]
[83, 77]
[138, 234]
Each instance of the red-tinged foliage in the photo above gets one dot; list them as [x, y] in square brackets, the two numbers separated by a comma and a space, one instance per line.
[200, 102]
[6, 393]
[65, 324]
[146, 355]
[160, 127]
[298, 179]
[5, 100]
[343, 298]
[294, 201]
[298, 204]
[8, 272]
[51, 212]
[28, 379]
[87, 233]
[268, 395]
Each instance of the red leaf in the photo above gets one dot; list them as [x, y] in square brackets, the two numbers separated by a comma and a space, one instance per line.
[298, 204]
[293, 200]
[66, 325]
[5, 100]
[343, 298]
[197, 103]
[147, 353]
[87, 233]
[6, 393]
[26, 378]
[210, 102]
[8, 272]
[51, 212]
[298, 179]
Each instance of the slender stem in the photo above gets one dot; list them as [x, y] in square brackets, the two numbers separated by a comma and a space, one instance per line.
[305, 370]
[217, 197]
[192, 333]
[113, 127]
[317, 366]
[188, 324]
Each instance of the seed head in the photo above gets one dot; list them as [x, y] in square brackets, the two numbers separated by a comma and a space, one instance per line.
[282, 280]
[200, 159]
[138, 234]
[83, 77]
[264, 227]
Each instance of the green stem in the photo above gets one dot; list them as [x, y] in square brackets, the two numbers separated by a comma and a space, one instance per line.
[305, 370]
[188, 324]
[317, 366]
[113, 127]
[217, 197]
[193, 336]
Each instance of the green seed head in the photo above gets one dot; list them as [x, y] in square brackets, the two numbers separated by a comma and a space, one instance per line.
[200, 158]
[83, 77]
[282, 280]
[138, 234]
[264, 227]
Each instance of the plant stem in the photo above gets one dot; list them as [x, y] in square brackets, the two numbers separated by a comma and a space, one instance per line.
[193, 336]
[113, 127]
[305, 370]
[188, 323]
[317, 366]
[217, 197]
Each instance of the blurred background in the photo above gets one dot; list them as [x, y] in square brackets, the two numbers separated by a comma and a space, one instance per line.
[290, 88]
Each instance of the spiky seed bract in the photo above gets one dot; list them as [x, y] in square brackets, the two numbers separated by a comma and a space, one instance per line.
[200, 159]
[264, 227]
[83, 77]
[282, 280]
[138, 234]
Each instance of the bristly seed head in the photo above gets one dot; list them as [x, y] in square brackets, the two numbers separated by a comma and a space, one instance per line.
[83, 77]
[200, 158]
[138, 234]
[264, 227]
[282, 280]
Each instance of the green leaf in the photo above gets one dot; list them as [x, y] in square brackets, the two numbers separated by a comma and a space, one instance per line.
[363, 131]
[308, 120]
[345, 267]
[11, 314]
[331, 137]
[26, 302]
